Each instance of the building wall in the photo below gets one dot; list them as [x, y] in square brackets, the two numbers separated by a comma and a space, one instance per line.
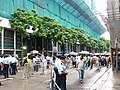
[51, 9]
[45, 8]
[91, 4]
[114, 22]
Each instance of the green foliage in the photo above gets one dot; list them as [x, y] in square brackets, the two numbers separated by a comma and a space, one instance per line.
[50, 28]
[1, 29]
[104, 44]
[21, 20]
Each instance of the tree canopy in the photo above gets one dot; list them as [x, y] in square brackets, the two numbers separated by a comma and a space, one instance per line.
[52, 29]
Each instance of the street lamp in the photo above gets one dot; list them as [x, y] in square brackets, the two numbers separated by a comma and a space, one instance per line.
[24, 47]
[30, 30]
[77, 43]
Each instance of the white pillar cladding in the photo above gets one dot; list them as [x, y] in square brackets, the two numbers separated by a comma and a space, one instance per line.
[14, 43]
[57, 46]
[2, 41]
[69, 48]
[66, 48]
[3, 23]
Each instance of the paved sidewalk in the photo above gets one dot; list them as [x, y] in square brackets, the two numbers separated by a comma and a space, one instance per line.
[37, 82]
[91, 77]
[94, 80]
[112, 81]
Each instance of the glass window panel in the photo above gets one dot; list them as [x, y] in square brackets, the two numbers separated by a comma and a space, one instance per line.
[83, 6]
[91, 23]
[78, 1]
[75, 13]
[81, 18]
[66, 5]
[8, 39]
[86, 21]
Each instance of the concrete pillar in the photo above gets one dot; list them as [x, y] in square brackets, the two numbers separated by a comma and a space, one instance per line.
[14, 43]
[2, 41]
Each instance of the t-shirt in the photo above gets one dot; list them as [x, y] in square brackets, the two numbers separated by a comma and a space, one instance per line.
[81, 64]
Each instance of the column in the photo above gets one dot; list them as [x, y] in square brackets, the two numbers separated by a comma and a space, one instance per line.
[14, 43]
[2, 41]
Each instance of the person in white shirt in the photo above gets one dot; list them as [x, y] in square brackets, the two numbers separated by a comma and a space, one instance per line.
[56, 66]
[35, 62]
[6, 63]
[43, 62]
[63, 72]
[48, 61]
[80, 66]
[14, 65]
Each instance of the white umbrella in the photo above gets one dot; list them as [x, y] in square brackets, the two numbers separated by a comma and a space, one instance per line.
[73, 53]
[97, 53]
[34, 52]
[66, 54]
[84, 52]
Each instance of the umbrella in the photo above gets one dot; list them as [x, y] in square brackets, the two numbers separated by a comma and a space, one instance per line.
[34, 52]
[58, 55]
[97, 54]
[73, 53]
[84, 52]
[106, 54]
[66, 54]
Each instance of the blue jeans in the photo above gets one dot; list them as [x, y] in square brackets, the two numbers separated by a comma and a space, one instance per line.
[81, 74]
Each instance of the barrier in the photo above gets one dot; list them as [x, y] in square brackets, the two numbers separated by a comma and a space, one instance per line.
[26, 71]
[52, 81]
[32, 69]
[38, 69]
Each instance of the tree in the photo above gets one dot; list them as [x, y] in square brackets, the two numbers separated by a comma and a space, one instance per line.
[22, 20]
[50, 28]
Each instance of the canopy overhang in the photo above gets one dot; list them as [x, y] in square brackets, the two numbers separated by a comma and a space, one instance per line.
[82, 11]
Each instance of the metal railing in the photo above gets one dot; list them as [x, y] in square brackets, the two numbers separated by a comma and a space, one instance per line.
[35, 69]
[53, 83]
[32, 69]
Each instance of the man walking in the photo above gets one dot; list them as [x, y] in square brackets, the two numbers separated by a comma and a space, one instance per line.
[80, 66]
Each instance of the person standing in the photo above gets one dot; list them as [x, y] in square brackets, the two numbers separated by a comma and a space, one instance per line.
[6, 65]
[1, 65]
[43, 62]
[57, 63]
[14, 65]
[80, 66]
[62, 71]
[108, 61]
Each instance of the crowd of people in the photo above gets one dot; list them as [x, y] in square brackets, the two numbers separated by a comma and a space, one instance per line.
[8, 65]
[82, 62]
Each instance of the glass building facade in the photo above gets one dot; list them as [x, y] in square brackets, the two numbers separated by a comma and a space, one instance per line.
[70, 13]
